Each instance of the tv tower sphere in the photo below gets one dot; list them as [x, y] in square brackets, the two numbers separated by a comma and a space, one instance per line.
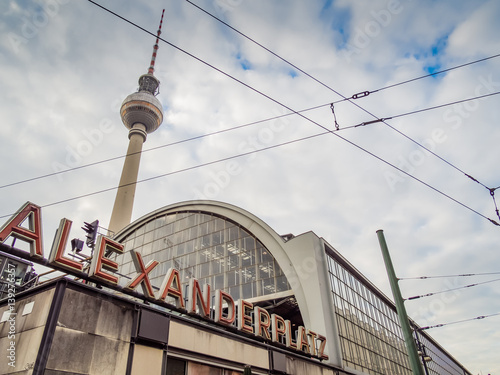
[142, 107]
[142, 114]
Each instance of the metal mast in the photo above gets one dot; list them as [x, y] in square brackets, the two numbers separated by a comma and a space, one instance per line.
[411, 347]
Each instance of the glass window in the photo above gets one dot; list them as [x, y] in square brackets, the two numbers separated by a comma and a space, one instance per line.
[209, 248]
[160, 221]
[175, 366]
[199, 369]
[367, 328]
[150, 226]
[139, 240]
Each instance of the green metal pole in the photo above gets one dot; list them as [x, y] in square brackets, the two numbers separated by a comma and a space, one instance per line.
[411, 347]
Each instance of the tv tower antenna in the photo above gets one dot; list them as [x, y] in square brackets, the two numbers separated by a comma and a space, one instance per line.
[155, 47]
[141, 113]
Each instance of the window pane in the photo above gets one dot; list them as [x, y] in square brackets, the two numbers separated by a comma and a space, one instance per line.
[175, 366]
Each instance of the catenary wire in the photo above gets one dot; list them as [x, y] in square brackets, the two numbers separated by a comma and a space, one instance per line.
[176, 172]
[261, 121]
[458, 321]
[354, 96]
[365, 93]
[452, 289]
[163, 146]
[436, 107]
[256, 151]
[436, 73]
[295, 112]
[445, 276]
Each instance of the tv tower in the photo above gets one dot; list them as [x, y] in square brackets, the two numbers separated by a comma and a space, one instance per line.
[141, 113]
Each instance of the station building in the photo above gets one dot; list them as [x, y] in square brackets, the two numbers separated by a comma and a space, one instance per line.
[196, 288]
[213, 290]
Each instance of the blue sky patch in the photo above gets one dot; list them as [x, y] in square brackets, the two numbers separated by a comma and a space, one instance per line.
[439, 46]
[338, 18]
[432, 56]
[433, 68]
[244, 63]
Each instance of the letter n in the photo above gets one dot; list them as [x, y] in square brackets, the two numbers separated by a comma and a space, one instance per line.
[198, 298]
[171, 286]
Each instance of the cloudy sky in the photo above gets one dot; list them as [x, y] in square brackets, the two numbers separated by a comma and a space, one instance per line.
[66, 66]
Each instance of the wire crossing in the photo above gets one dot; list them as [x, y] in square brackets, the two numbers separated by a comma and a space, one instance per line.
[160, 147]
[277, 102]
[363, 93]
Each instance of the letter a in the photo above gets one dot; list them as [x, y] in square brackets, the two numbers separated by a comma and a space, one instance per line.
[32, 234]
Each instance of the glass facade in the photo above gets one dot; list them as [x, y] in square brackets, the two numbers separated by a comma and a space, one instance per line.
[220, 252]
[212, 249]
[371, 338]
[370, 335]
[441, 363]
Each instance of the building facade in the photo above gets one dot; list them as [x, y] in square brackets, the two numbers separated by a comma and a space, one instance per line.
[205, 287]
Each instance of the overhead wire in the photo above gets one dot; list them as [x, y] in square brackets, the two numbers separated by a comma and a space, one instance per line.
[365, 93]
[441, 106]
[337, 128]
[277, 102]
[430, 109]
[160, 147]
[456, 322]
[175, 172]
[452, 289]
[445, 276]
[354, 96]
[438, 72]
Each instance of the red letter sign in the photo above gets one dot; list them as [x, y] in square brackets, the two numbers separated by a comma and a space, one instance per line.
[220, 297]
[172, 277]
[100, 260]
[198, 298]
[57, 252]
[142, 274]
[33, 235]
[245, 320]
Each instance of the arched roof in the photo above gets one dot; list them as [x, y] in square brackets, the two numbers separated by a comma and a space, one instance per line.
[301, 258]
[266, 235]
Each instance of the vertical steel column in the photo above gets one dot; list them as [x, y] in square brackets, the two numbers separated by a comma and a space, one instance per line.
[411, 347]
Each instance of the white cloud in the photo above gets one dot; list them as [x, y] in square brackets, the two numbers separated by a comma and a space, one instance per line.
[69, 76]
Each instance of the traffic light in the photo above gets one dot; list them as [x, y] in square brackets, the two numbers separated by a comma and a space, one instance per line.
[76, 245]
[91, 230]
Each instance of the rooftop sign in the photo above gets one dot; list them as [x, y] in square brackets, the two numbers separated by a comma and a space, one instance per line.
[248, 318]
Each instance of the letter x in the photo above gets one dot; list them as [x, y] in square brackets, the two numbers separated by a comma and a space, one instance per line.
[142, 274]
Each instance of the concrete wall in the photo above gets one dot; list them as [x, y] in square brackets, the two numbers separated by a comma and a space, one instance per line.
[92, 335]
[87, 332]
[30, 316]
[294, 366]
[203, 342]
[312, 290]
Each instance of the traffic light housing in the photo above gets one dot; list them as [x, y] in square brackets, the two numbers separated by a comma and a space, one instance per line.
[91, 230]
